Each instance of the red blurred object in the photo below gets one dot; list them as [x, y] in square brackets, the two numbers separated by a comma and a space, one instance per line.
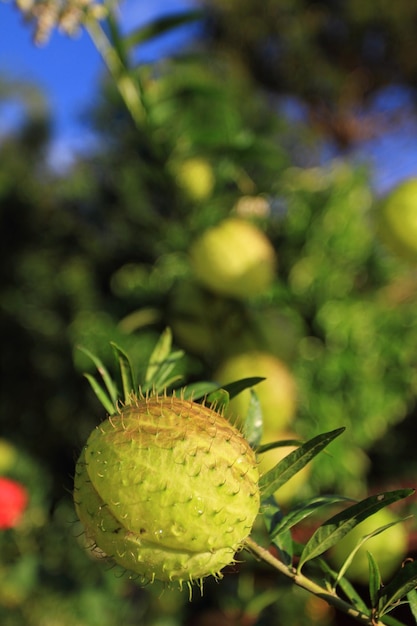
[13, 501]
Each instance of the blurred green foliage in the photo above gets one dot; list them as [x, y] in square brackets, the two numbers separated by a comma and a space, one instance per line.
[334, 56]
[99, 254]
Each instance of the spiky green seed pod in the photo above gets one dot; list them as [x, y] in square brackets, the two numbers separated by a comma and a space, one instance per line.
[168, 488]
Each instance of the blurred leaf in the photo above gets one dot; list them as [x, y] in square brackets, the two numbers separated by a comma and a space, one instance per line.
[160, 26]
[273, 479]
[117, 41]
[329, 533]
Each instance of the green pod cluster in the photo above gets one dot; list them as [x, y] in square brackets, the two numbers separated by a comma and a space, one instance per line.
[168, 488]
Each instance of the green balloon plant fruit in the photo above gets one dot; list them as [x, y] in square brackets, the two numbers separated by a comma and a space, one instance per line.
[277, 393]
[397, 220]
[167, 488]
[195, 177]
[234, 259]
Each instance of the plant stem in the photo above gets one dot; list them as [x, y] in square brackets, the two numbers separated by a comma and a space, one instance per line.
[126, 84]
[305, 583]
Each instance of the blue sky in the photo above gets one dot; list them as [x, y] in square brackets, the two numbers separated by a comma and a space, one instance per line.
[67, 71]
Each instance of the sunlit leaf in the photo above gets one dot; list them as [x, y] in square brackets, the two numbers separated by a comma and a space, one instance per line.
[101, 394]
[159, 355]
[112, 391]
[294, 462]
[329, 533]
[126, 372]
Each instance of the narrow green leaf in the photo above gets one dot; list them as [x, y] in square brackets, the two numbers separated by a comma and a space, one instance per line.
[164, 377]
[126, 372]
[412, 601]
[196, 391]
[233, 389]
[107, 379]
[304, 510]
[272, 516]
[159, 355]
[161, 26]
[253, 424]
[403, 582]
[101, 395]
[329, 533]
[294, 462]
[374, 579]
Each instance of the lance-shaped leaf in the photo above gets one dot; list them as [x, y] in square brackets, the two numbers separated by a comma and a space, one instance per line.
[198, 390]
[233, 389]
[294, 462]
[126, 372]
[329, 533]
[375, 579]
[400, 585]
[161, 364]
[108, 395]
[303, 511]
[159, 354]
[161, 26]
